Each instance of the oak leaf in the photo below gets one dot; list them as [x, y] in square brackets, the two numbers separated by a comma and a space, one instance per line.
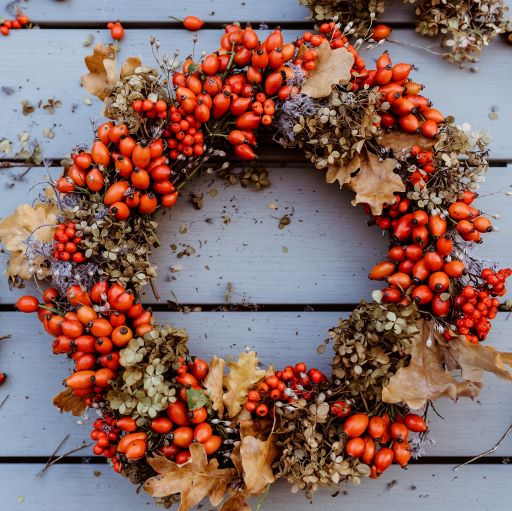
[34, 223]
[342, 173]
[430, 375]
[243, 375]
[194, 480]
[376, 183]
[214, 384]
[102, 68]
[66, 401]
[236, 502]
[332, 68]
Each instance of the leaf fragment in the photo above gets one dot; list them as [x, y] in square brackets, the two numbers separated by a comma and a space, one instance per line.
[332, 68]
[66, 401]
[213, 384]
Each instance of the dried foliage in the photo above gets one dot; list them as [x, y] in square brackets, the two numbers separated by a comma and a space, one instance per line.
[119, 249]
[23, 233]
[371, 346]
[359, 13]
[465, 27]
[429, 377]
[66, 401]
[313, 456]
[147, 385]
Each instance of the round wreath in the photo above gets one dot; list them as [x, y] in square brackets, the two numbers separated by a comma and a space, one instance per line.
[186, 428]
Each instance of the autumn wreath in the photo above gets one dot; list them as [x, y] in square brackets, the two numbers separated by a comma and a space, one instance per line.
[188, 429]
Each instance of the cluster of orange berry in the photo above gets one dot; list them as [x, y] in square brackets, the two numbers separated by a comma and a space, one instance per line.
[479, 305]
[377, 441]
[139, 173]
[150, 108]
[66, 246]
[91, 334]
[106, 435]
[183, 134]
[469, 222]
[21, 21]
[288, 385]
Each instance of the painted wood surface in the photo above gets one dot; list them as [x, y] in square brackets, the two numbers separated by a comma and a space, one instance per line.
[48, 64]
[322, 257]
[421, 487]
[273, 334]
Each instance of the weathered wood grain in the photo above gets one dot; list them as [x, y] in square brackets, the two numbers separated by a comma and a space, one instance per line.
[53, 62]
[322, 257]
[424, 488]
[32, 427]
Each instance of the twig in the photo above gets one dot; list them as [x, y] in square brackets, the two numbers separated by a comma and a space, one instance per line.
[41, 472]
[486, 453]
[5, 337]
[52, 462]
[412, 45]
[263, 497]
[154, 289]
[4, 400]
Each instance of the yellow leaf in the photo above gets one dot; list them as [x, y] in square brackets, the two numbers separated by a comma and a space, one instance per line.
[194, 480]
[242, 376]
[213, 384]
[376, 183]
[426, 377]
[35, 222]
[332, 68]
[65, 401]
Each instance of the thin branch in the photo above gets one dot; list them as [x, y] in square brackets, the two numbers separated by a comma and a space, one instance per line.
[52, 462]
[486, 453]
[42, 471]
[5, 337]
[4, 400]
[154, 289]
[412, 45]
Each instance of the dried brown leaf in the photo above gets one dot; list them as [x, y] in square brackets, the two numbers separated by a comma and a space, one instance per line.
[194, 480]
[129, 66]
[332, 68]
[243, 374]
[426, 377]
[237, 502]
[400, 143]
[213, 384]
[102, 70]
[257, 457]
[65, 401]
[376, 183]
[342, 173]
[35, 222]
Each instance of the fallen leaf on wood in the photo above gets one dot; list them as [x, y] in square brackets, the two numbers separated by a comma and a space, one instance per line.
[194, 480]
[376, 183]
[243, 375]
[65, 401]
[36, 223]
[214, 384]
[426, 377]
[400, 143]
[332, 68]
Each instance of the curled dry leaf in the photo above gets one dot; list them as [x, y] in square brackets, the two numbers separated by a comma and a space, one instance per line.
[243, 374]
[400, 143]
[214, 384]
[65, 401]
[376, 182]
[332, 68]
[428, 375]
[102, 68]
[194, 480]
[257, 457]
[36, 223]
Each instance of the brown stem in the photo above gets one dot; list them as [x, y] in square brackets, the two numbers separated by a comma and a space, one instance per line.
[5, 337]
[154, 289]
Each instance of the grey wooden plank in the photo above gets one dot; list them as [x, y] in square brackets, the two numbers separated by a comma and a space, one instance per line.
[323, 256]
[423, 487]
[49, 11]
[32, 427]
[53, 63]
